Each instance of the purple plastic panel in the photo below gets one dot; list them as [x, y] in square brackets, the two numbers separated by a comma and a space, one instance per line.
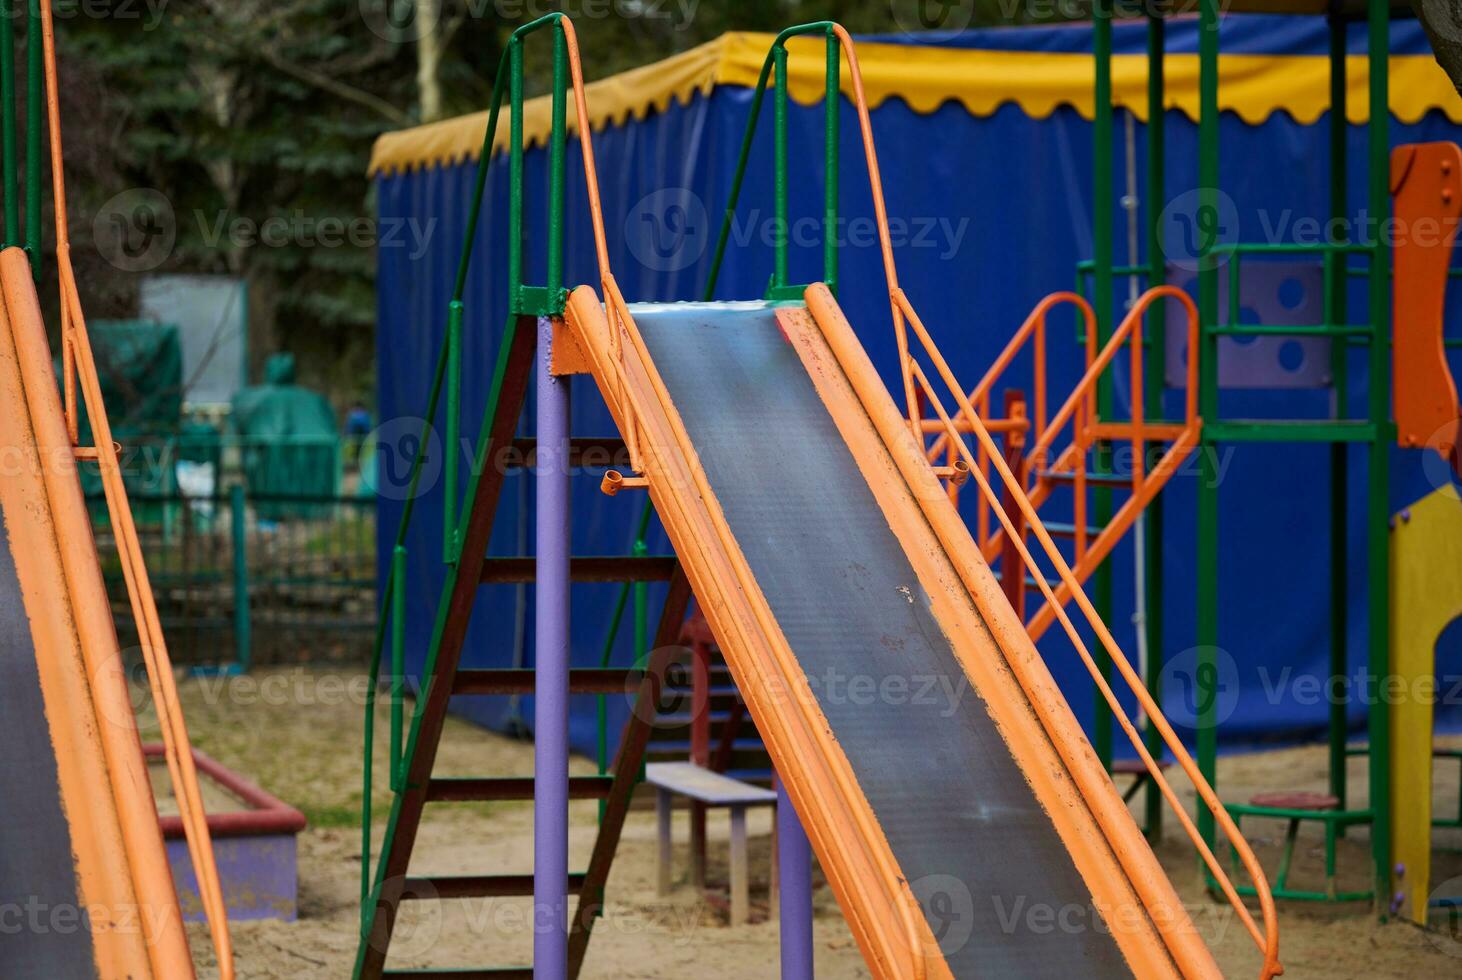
[1273, 293]
[259, 876]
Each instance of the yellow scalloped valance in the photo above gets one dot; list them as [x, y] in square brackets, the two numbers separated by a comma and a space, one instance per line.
[1251, 85]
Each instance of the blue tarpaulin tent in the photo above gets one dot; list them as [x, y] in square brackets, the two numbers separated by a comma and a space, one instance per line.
[985, 144]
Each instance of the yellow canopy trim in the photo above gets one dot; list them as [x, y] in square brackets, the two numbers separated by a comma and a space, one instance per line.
[1252, 86]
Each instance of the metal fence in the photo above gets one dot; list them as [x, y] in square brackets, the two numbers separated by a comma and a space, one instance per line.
[243, 578]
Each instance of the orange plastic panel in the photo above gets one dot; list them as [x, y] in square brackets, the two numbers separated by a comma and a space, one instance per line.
[1426, 182]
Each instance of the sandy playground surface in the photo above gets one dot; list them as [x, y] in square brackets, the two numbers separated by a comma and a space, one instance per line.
[297, 733]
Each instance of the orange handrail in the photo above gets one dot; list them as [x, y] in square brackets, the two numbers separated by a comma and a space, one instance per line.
[904, 316]
[79, 365]
[1033, 332]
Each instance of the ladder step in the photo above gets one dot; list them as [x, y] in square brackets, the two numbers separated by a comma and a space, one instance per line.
[1096, 479]
[481, 789]
[592, 568]
[417, 888]
[503, 680]
[1062, 529]
[462, 973]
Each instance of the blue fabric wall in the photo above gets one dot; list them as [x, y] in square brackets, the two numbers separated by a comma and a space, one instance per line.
[1014, 196]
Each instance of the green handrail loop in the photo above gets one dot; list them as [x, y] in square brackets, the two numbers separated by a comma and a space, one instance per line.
[780, 287]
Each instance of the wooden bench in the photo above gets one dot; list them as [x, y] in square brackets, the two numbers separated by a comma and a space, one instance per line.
[710, 789]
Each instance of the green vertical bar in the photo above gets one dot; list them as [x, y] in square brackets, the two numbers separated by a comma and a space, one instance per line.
[243, 655]
[398, 663]
[453, 447]
[1102, 198]
[601, 707]
[1378, 203]
[642, 613]
[1206, 667]
[7, 121]
[366, 787]
[1335, 266]
[1153, 386]
[779, 101]
[833, 107]
[515, 173]
[34, 114]
[642, 620]
[558, 139]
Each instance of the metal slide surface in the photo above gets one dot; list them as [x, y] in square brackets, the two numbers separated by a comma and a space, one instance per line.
[40, 937]
[936, 772]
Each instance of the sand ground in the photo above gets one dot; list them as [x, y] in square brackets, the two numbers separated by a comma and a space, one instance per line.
[298, 733]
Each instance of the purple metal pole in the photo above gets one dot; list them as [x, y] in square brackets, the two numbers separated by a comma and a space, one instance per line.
[551, 672]
[794, 876]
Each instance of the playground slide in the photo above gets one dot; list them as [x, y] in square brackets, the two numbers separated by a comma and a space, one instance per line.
[85, 889]
[962, 819]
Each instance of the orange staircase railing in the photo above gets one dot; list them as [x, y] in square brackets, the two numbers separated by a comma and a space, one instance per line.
[1042, 468]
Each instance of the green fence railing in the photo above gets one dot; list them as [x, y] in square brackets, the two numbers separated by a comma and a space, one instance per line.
[245, 577]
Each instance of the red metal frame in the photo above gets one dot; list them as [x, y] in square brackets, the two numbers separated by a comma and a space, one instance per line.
[267, 814]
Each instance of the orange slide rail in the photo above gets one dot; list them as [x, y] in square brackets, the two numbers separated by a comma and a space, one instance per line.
[915, 380]
[79, 366]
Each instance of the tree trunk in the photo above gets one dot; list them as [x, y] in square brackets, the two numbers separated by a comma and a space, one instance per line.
[429, 59]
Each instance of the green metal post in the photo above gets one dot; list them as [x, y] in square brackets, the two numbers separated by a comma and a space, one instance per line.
[10, 199]
[1102, 197]
[515, 172]
[34, 114]
[832, 106]
[1378, 201]
[243, 626]
[556, 180]
[453, 447]
[1206, 667]
[783, 229]
[1152, 388]
[398, 664]
[776, 55]
[1335, 265]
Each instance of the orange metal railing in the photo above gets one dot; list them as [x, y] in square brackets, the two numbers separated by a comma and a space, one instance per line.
[1080, 409]
[78, 365]
[916, 381]
[1032, 333]
[1038, 475]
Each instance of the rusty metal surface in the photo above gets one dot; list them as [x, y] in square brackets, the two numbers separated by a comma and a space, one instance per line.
[967, 832]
